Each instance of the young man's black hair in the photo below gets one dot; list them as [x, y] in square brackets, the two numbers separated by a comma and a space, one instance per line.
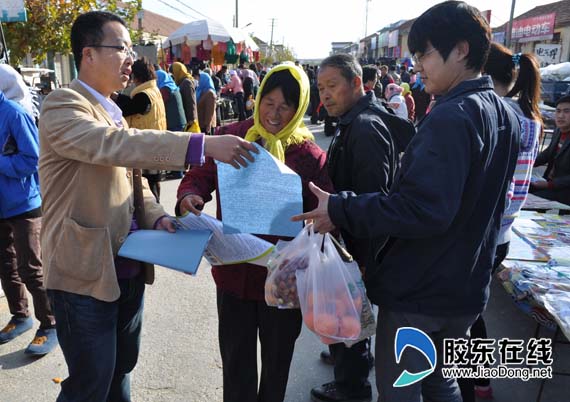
[87, 30]
[369, 73]
[564, 99]
[446, 24]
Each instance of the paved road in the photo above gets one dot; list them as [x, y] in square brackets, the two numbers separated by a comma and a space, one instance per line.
[180, 360]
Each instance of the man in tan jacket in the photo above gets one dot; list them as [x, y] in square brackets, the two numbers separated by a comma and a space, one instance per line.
[93, 197]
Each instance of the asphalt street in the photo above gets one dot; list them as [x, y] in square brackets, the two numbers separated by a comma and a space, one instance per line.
[180, 360]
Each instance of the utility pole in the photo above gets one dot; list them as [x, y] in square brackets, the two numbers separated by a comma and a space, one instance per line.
[366, 22]
[3, 47]
[236, 21]
[271, 41]
[510, 25]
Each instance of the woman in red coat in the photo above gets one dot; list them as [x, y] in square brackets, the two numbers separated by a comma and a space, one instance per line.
[242, 312]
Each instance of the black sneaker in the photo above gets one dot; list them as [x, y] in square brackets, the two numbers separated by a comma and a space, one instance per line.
[332, 392]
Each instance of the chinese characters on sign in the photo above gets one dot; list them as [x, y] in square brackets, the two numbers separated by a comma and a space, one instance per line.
[533, 29]
[547, 54]
[476, 358]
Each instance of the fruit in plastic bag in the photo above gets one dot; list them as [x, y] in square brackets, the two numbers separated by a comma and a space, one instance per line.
[329, 291]
[287, 258]
[309, 321]
[327, 324]
[349, 327]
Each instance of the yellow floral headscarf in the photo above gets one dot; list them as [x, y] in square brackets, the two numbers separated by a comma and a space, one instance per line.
[295, 132]
[406, 88]
[180, 72]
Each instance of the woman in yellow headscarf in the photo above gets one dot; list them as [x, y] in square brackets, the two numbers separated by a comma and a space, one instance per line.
[242, 311]
[410, 103]
[187, 87]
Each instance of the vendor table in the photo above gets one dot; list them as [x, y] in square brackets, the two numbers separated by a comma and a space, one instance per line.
[535, 203]
[536, 272]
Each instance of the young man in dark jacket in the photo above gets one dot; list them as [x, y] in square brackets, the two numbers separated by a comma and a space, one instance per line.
[362, 158]
[442, 216]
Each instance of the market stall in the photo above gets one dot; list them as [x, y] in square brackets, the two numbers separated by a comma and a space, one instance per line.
[209, 41]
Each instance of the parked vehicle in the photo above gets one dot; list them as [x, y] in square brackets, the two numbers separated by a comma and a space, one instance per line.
[554, 90]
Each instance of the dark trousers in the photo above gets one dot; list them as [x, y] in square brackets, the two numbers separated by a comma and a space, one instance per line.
[240, 321]
[434, 387]
[479, 331]
[240, 104]
[153, 184]
[351, 365]
[21, 268]
[100, 342]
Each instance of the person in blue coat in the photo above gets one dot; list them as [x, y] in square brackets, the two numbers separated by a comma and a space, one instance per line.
[20, 224]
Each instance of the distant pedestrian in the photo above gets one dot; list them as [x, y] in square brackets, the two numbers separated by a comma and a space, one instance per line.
[187, 86]
[20, 225]
[206, 101]
[410, 104]
[385, 78]
[236, 87]
[396, 102]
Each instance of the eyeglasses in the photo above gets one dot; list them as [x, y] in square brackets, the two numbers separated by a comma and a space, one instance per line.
[121, 48]
[418, 59]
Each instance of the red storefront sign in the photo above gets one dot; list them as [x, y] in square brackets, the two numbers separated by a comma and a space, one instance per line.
[534, 29]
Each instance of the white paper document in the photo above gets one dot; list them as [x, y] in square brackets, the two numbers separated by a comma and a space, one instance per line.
[223, 249]
[260, 198]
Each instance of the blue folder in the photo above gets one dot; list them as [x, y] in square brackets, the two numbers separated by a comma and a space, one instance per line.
[181, 251]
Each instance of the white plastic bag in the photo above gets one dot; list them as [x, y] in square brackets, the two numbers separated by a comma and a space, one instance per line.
[286, 259]
[330, 296]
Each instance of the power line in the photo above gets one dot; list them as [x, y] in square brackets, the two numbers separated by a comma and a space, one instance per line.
[177, 9]
[193, 9]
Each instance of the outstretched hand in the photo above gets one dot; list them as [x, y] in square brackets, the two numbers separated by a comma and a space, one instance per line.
[229, 149]
[320, 216]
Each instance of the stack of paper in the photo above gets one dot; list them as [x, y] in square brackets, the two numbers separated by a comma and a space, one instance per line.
[260, 198]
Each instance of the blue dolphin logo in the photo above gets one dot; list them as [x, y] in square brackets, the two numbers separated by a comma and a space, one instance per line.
[408, 337]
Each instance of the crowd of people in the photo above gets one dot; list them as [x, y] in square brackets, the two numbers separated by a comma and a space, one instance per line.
[422, 181]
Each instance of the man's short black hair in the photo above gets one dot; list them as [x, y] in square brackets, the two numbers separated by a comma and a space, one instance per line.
[369, 73]
[87, 29]
[448, 23]
[143, 70]
[564, 99]
[346, 63]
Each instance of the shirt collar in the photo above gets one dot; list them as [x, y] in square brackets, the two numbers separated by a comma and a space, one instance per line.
[109, 106]
[363, 103]
[485, 82]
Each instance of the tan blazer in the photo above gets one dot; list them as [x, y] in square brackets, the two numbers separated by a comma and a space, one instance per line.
[87, 189]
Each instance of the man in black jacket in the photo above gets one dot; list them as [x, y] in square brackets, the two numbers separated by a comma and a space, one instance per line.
[556, 185]
[442, 216]
[362, 158]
